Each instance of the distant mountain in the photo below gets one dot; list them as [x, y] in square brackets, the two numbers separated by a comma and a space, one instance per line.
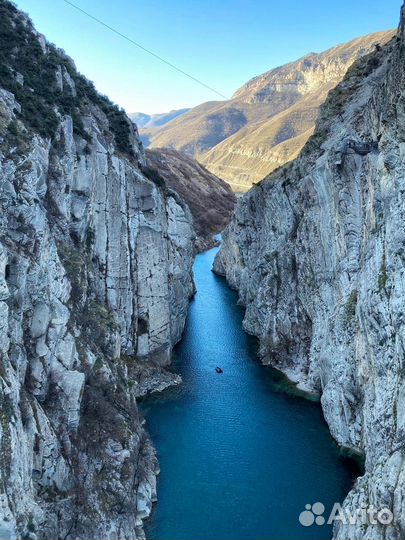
[267, 121]
[140, 119]
[143, 120]
[210, 199]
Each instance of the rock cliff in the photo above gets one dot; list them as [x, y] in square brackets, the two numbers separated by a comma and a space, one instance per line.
[95, 277]
[210, 199]
[317, 253]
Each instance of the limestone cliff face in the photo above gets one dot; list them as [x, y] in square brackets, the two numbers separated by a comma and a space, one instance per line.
[95, 279]
[316, 251]
[210, 199]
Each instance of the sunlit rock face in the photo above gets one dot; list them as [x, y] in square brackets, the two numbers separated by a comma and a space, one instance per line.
[267, 121]
[316, 251]
[95, 279]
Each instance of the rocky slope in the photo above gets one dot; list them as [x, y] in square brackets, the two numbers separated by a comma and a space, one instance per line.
[267, 121]
[202, 127]
[210, 200]
[256, 150]
[317, 253]
[95, 278]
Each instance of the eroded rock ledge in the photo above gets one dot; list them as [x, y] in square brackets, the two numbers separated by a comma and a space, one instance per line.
[317, 253]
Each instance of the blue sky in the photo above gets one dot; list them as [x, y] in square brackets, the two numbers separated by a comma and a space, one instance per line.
[223, 43]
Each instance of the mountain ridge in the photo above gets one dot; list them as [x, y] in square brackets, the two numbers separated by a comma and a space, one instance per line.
[212, 132]
[144, 120]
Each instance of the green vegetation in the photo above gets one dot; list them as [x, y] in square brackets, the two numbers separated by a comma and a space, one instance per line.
[6, 415]
[382, 276]
[350, 308]
[98, 321]
[31, 525]
[16, 136]
[13, 128]
[74, 265]
[39, 96]
[154, 176]
[90, 236]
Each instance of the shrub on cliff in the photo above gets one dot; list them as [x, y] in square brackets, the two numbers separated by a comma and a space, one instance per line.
[30, 74]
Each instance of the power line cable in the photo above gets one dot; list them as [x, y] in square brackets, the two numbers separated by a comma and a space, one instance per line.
[144, 49]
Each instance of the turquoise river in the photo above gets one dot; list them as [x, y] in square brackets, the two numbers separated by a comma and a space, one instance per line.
[240, 455]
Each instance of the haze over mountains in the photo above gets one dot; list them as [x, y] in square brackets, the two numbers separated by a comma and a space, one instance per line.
[266, 122]
[143, 120]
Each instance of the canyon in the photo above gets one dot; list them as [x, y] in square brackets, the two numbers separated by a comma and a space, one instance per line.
[238, 440]
[98, 239]
[316, 253]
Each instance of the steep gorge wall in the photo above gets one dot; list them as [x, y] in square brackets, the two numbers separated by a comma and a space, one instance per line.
[210, 199]
[95, 277]
[317, 254]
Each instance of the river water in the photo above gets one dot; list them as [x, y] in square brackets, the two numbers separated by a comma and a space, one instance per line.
[240, 456]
